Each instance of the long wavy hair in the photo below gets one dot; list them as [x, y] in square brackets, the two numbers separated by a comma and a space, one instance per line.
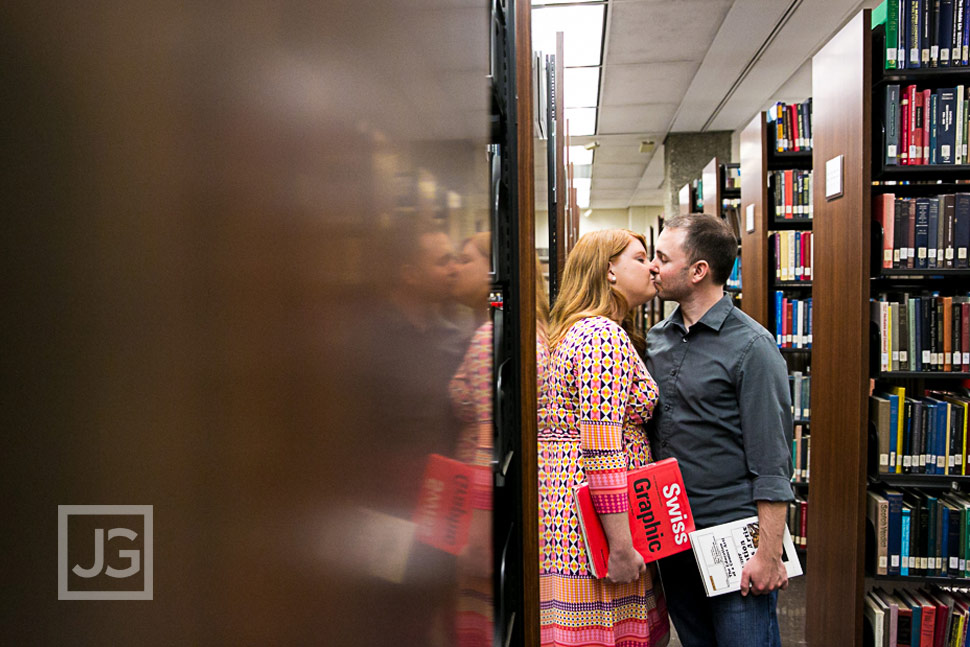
[585, 290]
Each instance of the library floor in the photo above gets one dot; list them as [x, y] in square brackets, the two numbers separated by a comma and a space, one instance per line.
[791, 615]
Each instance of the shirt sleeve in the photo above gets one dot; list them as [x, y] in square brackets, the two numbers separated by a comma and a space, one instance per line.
[766, 420]
[605, 375]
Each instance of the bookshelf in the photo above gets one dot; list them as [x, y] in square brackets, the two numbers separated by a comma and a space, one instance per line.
[849, 93]
[760, 221]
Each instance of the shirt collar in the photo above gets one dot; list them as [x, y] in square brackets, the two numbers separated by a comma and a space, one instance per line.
[714, 318]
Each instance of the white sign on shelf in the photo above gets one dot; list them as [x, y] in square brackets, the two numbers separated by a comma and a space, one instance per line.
[833, 177]
[749, 218]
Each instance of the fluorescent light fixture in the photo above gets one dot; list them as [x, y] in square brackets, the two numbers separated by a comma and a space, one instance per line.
[581, 87]
[582, 121]
[582, 27]
[582, 186]
[587, 213]
[580, 156]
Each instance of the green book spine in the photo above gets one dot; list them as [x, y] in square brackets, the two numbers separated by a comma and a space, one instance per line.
[892, 33]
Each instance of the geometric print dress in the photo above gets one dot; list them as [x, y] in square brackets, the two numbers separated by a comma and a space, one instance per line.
[592, 409]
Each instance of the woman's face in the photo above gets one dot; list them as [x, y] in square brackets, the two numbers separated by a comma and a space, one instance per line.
[632, 271]
[471, 287]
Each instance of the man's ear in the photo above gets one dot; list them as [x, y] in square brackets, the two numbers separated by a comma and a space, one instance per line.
[698, 271]
[409, 274]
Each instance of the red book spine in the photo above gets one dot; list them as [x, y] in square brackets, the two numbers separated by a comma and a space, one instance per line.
[926, 102]
[789, 201]
[903, 154]
[803, 532]
[794, 127]
[915, 152]
[965, 336]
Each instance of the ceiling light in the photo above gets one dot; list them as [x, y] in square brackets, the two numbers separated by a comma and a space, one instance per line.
[647, 146]
[590, 146]
[587, 213]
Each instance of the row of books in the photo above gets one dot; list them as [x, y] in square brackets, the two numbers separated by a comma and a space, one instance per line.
[734, 281]
[925, 617]
[926, 126]
[915, 532]
[793, 321]
[732, 176]
[932, 232]
[792, 126]
[927, 33]
[923, 332]
[798, 521]
[793, 255]
[916, 435]
[800, 384]
[792, 191]
[800, 450]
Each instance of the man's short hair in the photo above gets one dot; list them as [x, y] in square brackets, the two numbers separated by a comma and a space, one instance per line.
[708, 238]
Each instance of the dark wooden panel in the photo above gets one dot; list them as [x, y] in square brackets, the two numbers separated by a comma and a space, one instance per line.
[841, 94]
[527, 319]
[754, 244]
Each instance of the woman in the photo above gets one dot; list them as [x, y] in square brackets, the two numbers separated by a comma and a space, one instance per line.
[598, 397]
[471, 397]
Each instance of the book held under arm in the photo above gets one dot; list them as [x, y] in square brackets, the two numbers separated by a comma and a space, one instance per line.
[722, 551]
[659, 515]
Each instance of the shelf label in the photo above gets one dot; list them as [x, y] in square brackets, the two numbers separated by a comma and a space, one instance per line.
[749, 218]
[833, 177]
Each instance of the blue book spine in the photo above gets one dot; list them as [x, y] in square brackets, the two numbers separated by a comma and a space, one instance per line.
[808, 307]
[930, 406]
[921, 231]
[904, 557]
[946, 32]
[946, 137]
[894, 457]
[895, 530]
[918, 318]
[965, 59]
[961, 230]
[779, 317]
[934, 109]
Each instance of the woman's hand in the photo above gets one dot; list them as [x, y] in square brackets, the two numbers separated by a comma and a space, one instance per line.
[625, 566]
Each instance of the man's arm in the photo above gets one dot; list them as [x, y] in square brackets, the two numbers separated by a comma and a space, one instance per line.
[766, 425]
[765, 572]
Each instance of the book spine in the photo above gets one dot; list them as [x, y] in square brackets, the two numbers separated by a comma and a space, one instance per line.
[892, 34]
[913, 33]
[892, 124]
[946, 32]
[934, 129]
[903, 152]
[958, 126]
[934, 32]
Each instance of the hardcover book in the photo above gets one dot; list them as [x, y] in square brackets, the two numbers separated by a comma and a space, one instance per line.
[722, 551]
[444, 512]
[660, 517]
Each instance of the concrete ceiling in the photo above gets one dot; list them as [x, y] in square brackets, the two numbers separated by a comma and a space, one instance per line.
[693, 66]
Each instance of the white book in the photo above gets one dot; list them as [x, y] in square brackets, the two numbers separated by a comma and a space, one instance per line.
[722, 551]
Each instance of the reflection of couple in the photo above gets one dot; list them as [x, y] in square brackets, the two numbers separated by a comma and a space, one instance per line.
[724, 413]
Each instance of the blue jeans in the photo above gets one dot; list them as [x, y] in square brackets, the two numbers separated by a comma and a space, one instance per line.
[729, 620]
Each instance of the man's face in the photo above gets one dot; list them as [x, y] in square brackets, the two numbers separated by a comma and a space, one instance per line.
[670, 266]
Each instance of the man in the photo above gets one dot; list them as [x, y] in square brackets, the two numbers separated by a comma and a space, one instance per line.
[725, 415]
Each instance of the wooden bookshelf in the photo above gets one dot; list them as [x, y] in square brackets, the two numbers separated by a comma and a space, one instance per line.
[754, 220]
[835, 577]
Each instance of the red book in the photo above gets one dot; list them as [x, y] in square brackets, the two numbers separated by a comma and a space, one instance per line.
[915, 126]
[885, 214]
[789, 189]
[795, 135]
[803, 513]
[904, 128]
[660, 516]
[926, 102]
[444, 511]
[965, 336]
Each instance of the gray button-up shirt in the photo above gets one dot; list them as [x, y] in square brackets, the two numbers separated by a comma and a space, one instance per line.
[724, 411]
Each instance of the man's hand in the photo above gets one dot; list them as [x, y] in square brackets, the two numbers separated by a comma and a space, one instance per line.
[625, 566]
[763, 574]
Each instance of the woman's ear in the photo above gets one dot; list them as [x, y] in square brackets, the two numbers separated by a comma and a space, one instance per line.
[610, 276]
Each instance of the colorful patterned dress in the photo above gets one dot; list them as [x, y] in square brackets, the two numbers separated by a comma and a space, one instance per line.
[471, 397]
[596, 399]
